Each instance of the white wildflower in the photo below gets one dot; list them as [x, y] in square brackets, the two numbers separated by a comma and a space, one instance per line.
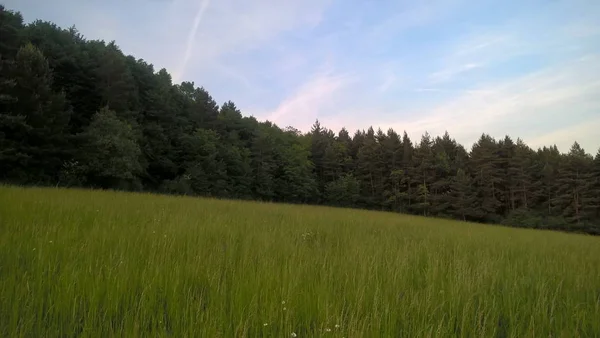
[337, 326]
[285, 308]
[294, 334]
[265, 324]
[327, 330]
[283, 302]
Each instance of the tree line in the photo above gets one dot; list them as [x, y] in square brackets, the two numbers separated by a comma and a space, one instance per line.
[79, 113]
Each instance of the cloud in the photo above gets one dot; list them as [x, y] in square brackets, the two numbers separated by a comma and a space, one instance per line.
[387, 83]
[233, 27]
[583, 29]
[252, 51]
[585, 133]
[408, 16]
[532, 106]
[447, 74]
[191, 37]
[472, 54]
[311, 100]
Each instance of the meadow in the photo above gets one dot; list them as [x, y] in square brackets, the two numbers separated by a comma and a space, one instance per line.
[108, 264]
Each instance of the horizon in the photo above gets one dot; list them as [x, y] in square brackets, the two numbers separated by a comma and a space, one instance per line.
[467, 69]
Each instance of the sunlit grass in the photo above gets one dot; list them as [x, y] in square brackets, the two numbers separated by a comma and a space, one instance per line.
[82, 263]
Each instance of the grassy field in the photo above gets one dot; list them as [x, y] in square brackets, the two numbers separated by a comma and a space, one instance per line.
[102, 264]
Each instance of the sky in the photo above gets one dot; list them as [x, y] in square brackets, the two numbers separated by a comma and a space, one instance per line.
[528, 69]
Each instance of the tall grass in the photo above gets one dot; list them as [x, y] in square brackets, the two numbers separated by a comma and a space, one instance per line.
[102, 264]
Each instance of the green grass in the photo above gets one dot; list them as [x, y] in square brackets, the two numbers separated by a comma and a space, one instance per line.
[102, 264]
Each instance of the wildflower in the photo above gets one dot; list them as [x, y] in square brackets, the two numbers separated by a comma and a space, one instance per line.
[51, 242]
[284, 308]
[283, 302]
[337, 326]
[265, 324]
[327, 330]
[294, 334]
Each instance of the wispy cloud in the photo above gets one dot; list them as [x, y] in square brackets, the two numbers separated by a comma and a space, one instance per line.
[449, 73]
[311, 100]
[583, 29]
[406, 15]
[532, 107]
[388, 82]
[585, 133]
[234, 27]
[191, 37]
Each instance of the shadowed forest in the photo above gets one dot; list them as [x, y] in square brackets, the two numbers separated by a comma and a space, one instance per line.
[79, 113]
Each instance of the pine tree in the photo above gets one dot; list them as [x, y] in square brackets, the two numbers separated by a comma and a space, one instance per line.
[595, 190]
[486, 178]
[422, 171]
[343, 192]
[463, 196]
[397, 196]
[391, 154]
[445, 152]
[545, 172]
[423, 199]
[574, 198]
[35, 119]
[407, 167]
[520, 176]
[116, 84]
[264, 164]
[319, 143]
[11, 29]
[369, 170]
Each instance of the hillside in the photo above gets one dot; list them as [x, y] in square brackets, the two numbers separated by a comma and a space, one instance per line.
[80, 113]
[137, 265]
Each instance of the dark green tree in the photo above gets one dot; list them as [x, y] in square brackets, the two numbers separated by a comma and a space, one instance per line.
[344, 191]
[422, 173]
[397, 196]
[34, 120]
[111, 154]
[574, 196]
[369, 170]
[11, 31]
[487, 178]
[463, 196]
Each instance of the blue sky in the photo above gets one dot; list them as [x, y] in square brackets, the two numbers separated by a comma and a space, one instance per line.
[530, 69]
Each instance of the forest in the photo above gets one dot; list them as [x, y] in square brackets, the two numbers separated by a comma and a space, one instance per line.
[79, 113]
